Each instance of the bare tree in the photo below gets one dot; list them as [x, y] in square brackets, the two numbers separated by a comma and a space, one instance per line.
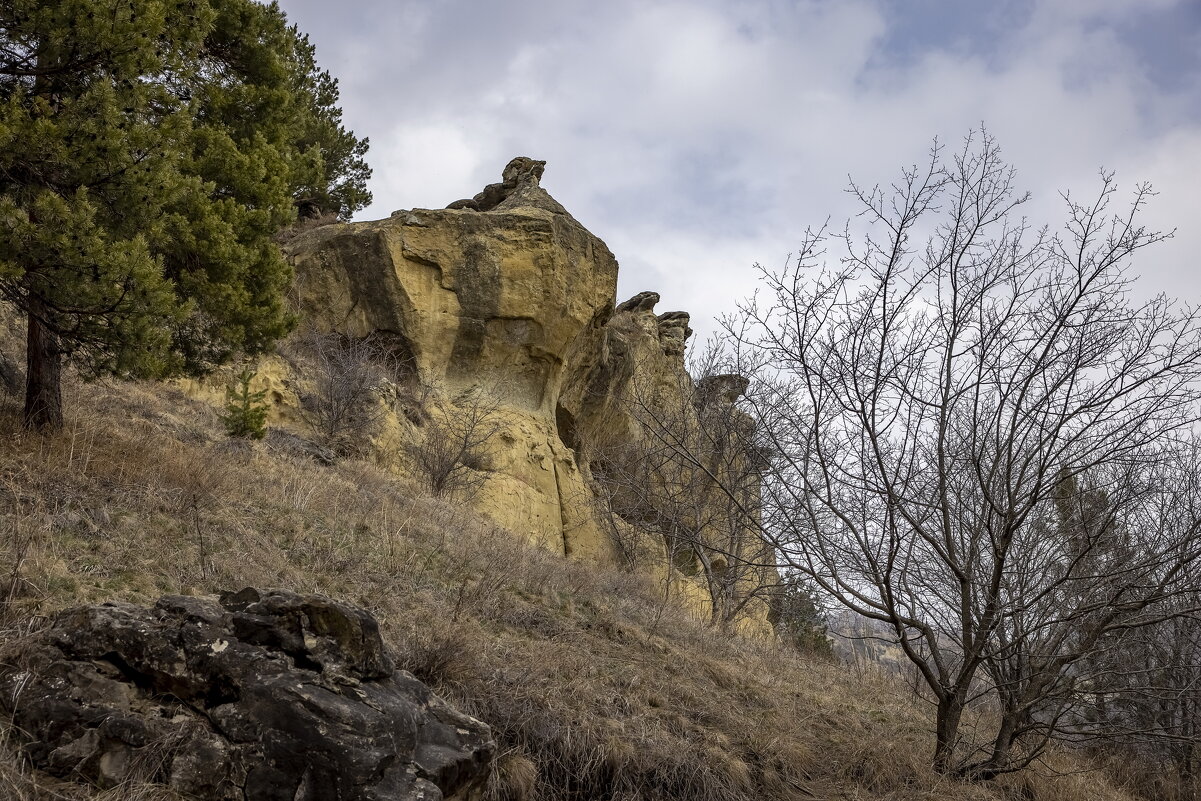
[1145, 694]
[689, 473]
[1117, 558]
[1161, 703]
[349, 375]
[451, 456]
[928, 397]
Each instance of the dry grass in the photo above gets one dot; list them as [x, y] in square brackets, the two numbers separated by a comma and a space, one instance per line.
[19, 783]
[595, 687]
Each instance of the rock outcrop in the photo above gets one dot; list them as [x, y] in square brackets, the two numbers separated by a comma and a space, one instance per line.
[507, 296]
[503, 301]
[257, 696]
[635, 410]
[519, 187]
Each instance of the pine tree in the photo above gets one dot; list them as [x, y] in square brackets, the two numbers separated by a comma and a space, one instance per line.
[245, 411]
[798, 618]
[149, 152]
[337, 181]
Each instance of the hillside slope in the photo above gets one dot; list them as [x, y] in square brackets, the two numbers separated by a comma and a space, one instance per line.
[597, 686]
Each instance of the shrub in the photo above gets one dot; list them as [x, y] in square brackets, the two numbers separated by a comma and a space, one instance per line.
[245, 411]
[452, 458]
[799, 619]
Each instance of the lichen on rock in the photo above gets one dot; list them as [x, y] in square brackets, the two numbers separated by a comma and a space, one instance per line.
[260, 695]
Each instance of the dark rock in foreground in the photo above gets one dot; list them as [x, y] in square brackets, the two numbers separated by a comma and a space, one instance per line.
[262, 695]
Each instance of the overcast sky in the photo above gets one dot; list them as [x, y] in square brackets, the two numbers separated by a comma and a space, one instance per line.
[698, 138]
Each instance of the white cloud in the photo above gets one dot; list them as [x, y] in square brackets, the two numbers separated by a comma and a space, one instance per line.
[436, 160]
[698, 138]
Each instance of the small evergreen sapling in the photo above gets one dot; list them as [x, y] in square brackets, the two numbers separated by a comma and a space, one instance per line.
[799, 619]
[245, 411]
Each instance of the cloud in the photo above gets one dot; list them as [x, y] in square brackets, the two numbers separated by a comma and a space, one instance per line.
[403, 165]
[699, 138]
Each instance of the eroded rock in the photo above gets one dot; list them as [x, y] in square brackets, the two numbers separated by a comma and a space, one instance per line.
[506, 297]
[726, 388]
[502, 295]
[674, 332]
[258, 696]
[642, 302]
[519, 187]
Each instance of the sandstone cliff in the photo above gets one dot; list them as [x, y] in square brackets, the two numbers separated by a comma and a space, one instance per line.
[506, 296]
[504, 301]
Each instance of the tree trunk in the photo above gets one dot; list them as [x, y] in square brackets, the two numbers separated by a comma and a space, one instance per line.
[998, 760]
[1185, 770]
[11, 379]
[43, 376]
[950, 710]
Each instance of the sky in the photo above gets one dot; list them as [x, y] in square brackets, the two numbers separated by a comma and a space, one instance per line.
[701, 138]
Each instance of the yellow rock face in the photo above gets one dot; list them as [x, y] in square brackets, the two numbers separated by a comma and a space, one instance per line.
[496, 298]
[272, 375]
[634, 410]
[495, 301]
[506, 297]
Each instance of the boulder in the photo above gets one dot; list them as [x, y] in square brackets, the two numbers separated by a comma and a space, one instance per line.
[260, 695]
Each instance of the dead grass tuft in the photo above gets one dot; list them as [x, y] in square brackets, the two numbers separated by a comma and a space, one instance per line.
[20, 782]
[440, 658]
[514, 777]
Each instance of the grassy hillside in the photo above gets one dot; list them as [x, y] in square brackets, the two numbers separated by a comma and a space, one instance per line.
[596, 686]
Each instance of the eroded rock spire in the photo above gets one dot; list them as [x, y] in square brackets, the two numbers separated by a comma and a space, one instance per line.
[519, 187]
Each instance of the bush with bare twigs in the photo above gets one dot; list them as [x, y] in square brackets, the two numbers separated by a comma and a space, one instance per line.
[451, 457]
[349, 377]
[689, 473]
